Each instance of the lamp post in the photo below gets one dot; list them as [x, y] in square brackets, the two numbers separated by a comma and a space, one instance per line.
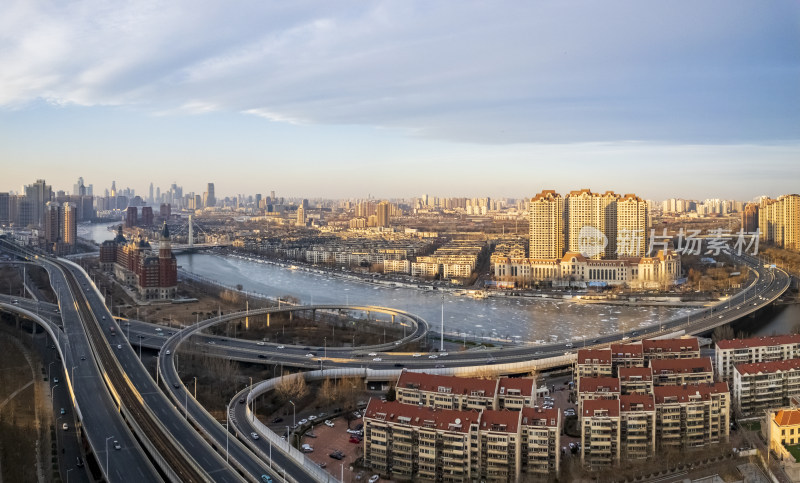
[195, 387]
[110, 437]
[48, 370]
[227, 432]
[52, 392]
[72, 376]
[294, 413]
[71, 469]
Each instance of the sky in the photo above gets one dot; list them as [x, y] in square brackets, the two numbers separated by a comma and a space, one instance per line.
[393, 99]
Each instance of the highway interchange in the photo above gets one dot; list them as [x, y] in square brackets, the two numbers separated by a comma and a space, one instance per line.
[205, 441]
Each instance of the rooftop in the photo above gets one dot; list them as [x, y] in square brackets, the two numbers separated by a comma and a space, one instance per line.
[670, 345]
[504, 420]
[599, 384]
[787, 417]
[689, 392]
[421, 416]
[453, 384]
[645, 373]
[621, 350]
[637, 402]
[524, 385]
[769, 367]
[539, 417]
[681, 366]
[588, 356]
[607, 407]
[759, 341]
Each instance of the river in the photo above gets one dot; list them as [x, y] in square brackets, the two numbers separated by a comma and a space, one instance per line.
[523, 319]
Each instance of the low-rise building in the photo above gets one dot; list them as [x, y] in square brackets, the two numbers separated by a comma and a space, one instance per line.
[692, 415]
[635, 380]
[675, 372]
[682, 348]
[765, 385]
[730, 353]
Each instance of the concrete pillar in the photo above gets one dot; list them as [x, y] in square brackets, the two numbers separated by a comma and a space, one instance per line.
[313, 315]
[291, 314]
[392, 319]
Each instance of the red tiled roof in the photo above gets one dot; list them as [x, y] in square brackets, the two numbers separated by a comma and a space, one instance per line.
[621, 350]
[636, 402]
[684, 392]
[530, 416]
[594, 384]
[457, 385]
[602, 355]
[759, 341]
[610, 405]
[681, 366]
[525, 385]
[504, 420]
[787, 417]
[670, 345]
[421, 416]
[644, 372]
[767, 367]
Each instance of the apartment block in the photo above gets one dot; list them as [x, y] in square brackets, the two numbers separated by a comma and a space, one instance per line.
[541, 441]
[635, 380]
[600, 432]
[675, 372]
[730, 353]
[447, 392]
[593, 363]
[765, 385]
[516, 393]
[637, 426]
[413, 442]
[683, 348]
[419, 443]
[626, 355]
[692, 415]
[546, 225]
[594, 388]
[500, 445]
[779, 221]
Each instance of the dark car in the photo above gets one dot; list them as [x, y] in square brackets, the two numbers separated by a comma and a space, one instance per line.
[336, 455]
[278, 420]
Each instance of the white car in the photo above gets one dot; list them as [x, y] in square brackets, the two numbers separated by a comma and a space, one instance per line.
[377, 359]
[417, 354]
[329, 423]
[433, 356]
[254, 435]
[260, 343]
[312, 418]
[374, 478]
[373, 354]
[158, 329]
[309, 355]
[444, 354]
[281, 347]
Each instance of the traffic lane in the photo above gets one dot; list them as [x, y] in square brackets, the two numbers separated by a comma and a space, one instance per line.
[279, 461]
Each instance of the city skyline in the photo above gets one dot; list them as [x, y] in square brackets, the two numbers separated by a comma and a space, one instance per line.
[398, 98]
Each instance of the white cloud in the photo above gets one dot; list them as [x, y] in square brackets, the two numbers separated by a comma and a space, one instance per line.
[464, 71]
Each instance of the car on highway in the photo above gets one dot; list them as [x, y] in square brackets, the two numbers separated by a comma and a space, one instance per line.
[63, 411]
[65, 426]
[372, 354]
[211, 342]
[119, 346]
[568, 344]
[266, 479]
[241, 400]
[168, 352]
[433, 356]
[281, 347]
[377, 359]
[416, 354]
[117, 445]
[310, 354]
[55, 380]
[158, 329]
[254, 435]
[260, 343]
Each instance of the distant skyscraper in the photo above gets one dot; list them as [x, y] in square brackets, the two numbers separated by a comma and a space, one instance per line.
[113, 189]
[633, 227]
[210, 200]
[750, 218]
[382, 211]
[5, 209]
[779, 221]
[38, 194]
[147, 216]
[70, 225]
[151, 199]
[52, 222]
[591, 214]
[131, 217]
[546, 228]
[301, 216]
[78, 188]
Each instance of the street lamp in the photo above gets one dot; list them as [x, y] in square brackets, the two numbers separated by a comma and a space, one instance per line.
[48, 370]
[195, 387]
[71, 469]
[52, 391]
[110, 437]
[294, 413]
[72, 376]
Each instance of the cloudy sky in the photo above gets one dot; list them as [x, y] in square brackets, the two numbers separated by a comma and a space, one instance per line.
[398, 98]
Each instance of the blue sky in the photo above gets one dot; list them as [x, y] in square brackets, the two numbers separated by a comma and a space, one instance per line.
[398, 98]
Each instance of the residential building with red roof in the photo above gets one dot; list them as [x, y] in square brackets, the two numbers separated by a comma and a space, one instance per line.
[682, 348]
[600, 432]
[635, 380]
[692, 415]
[626, 355]
[593, 388]
[541, 441]
[447, 392]
[593, 363]
[672, 372]
[637, 426]
[765, 385]
[516, 392]
[730, 353]
[499, 439]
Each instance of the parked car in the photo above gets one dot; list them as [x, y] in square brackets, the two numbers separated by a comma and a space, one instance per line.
[277, 420]
[329, 423]
[302, 421]
[374, 478]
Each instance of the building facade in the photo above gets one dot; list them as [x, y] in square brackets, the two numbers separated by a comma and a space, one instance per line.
[730, 353]
[765, 385]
